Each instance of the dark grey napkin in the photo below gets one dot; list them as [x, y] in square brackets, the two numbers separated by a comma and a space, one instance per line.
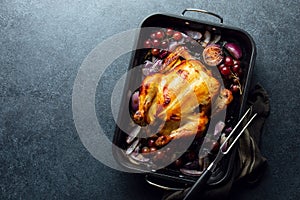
[250, 164]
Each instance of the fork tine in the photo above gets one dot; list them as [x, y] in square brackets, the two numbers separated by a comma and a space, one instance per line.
[238, 136]
[236, 126]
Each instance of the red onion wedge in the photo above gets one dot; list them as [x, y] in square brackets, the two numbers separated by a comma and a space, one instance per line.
[234, 50]
[133, 134]
[194, 35]
[134, 101]
[132, 147]
[191, 172]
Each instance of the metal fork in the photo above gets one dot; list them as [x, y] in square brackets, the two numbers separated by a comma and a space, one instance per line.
[200, 184]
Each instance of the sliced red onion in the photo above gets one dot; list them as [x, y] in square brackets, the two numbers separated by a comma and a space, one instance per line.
[194, 35]
[163, 54]
[173, 45]
[135, 101]
[132, 147]
[146, 71]
[139, 157]
[207, 37]
[148, 64]
[228, 130]
[218, 128]
[192, 165]
[191, 172]
[234, 50]
[152, 67]
[187, 38]
[133, 161]
[133, 134]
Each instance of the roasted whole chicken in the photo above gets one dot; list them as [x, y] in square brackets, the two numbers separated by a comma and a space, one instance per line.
[180, 97]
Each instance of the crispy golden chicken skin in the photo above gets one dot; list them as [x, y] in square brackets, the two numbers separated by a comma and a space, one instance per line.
[180, 95]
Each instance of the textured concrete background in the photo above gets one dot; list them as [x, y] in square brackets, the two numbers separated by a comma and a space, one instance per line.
[42, 45]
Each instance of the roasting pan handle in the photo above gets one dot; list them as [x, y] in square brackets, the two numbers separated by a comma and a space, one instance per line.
[202, 11]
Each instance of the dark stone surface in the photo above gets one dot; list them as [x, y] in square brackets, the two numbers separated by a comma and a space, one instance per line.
[42, 45]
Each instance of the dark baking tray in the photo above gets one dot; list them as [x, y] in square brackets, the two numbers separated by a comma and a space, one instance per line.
[168, 178]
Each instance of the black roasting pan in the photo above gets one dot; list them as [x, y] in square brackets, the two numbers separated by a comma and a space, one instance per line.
[175, 175]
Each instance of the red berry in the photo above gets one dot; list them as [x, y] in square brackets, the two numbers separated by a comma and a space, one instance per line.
[156, 43]
[153, 35]
[148, 44]
[235, 88]
[159, 35]
[236, 62]
[145, 150]
[221, 66]
[228, 61]
[235, 68]
[151, 143]
[153, 149]
[225, 71]
[178, 162]
[164, 44]
[177, 36]
[155, 52]
[169, 32]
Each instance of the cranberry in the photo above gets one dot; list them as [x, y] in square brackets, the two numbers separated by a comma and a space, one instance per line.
[159, 35]
[225, 71]
[177, 36]
[169, 32]
[151, 143]
[145, 150]
[228, 61]
[148, 44]
[155, 52]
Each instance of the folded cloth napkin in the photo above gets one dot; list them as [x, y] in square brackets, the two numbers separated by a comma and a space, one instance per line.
[250, 164]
